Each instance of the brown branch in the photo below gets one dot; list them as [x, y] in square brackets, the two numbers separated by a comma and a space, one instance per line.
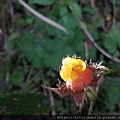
[45, 19]
[95, 44]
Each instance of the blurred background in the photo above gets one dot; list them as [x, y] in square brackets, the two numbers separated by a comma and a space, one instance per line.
[31, 50]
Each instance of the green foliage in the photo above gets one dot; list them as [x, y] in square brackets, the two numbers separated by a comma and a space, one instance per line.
[109, 94]
[62, 105]
[45, 53]
[113, 73]
[112, 42]
[42, 2]
[23, 22]
[24, 103]
[35, 48]
[16, 78]
[76, 9]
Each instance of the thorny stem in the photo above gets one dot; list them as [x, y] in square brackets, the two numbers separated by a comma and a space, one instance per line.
[91, 107]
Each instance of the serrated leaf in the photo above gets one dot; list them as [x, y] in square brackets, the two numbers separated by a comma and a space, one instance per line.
[24, 103]
[26, 43]
[113, 73]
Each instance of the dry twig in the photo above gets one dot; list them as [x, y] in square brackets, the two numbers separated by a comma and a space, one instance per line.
[95, 44]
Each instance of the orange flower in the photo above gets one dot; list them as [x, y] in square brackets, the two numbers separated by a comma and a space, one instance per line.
[75, 72]
[81, 80]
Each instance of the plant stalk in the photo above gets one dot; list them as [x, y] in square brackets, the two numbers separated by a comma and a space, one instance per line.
[91, 107]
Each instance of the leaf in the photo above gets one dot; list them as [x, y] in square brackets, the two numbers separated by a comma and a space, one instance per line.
[110, 46]
[113, 73]
[110, 93]
[11, 41]
[69, 22]
[89, 9]
[25, 44]
[76, 9]
[23, 22]
[63, 11]
[43, 2]
[66, 1]
[24, 103]
[92, 53]
[16, 78]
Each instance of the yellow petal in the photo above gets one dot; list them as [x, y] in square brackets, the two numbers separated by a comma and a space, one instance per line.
[66, 67]
[66, 60]
[74, 75]
[65, 76]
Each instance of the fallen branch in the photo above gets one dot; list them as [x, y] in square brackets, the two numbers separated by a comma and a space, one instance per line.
[45, 19]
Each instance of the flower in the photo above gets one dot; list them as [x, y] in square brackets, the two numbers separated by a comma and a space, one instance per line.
[75, 73]
[71, 67]
[81, 80]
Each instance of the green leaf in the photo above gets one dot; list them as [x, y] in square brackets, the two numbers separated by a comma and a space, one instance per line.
[22, 22]
[63, 10]
[69, 22]
[66, 1]
[16, 78]
[26, 42]
[24, 103]
[114, 35]
[43, 2]
[113, 73]
[92, 53]
[88, 9]
[80, 49]
[11, 41]
[76, 9]
[111, 93]
[110, 46]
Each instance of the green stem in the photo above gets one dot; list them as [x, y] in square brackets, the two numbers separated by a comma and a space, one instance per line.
[91, 107]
